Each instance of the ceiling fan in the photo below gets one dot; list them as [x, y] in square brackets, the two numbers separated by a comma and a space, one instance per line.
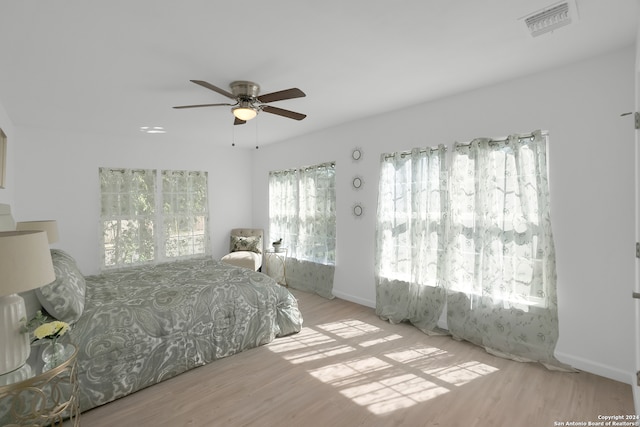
[248, 102]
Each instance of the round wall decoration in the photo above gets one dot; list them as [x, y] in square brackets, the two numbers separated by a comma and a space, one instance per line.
[356, 154]
[357, 182]
[358, 210]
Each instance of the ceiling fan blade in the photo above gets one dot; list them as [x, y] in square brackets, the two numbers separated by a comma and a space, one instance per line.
[283, 112]
[280, 95]
[201, 105]
[214, 88]
[237, 121]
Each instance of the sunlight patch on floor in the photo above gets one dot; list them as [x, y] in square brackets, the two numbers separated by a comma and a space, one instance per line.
[382, 395]
[425, 359]
[309, 356]
[390, 380]
[304, 339]
[349, 328]
[382, 340]
[415, 354]
[461, 374]
[308, 345]
[346, 373]
[394, 393]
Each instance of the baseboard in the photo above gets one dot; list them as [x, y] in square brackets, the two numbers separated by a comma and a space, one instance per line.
[596, 368]
[351, 298]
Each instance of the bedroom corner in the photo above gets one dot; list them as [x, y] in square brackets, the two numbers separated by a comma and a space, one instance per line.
[7, 190]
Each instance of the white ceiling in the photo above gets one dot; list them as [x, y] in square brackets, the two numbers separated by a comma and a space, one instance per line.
[110, 67]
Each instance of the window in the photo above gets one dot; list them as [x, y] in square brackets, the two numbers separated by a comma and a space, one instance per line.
[185, 213]
[481, 227]
[476, 241]
[146, 220]
[411, 207]
[302, 211]
[499, 236]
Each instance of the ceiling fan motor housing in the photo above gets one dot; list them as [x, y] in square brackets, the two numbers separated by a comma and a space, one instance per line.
[244, 89]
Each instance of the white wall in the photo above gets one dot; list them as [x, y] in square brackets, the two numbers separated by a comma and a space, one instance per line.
[591, 160]
[58, 179]
[53, 175]
[6, 193]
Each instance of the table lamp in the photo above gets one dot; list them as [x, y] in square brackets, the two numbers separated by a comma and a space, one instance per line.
[25, 264]
[48, 226]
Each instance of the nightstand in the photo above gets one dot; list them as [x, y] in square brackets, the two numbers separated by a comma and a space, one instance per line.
[39, 395]
[276, 265]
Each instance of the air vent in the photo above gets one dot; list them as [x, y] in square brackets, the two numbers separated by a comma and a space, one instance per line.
[550, 18]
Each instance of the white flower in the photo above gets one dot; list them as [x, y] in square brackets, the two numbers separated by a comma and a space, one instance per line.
[51, 330]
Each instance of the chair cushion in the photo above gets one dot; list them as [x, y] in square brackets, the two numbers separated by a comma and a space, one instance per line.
[246, 259]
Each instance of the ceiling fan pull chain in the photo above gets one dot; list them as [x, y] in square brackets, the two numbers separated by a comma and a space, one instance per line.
[257, 123]
[233, 136]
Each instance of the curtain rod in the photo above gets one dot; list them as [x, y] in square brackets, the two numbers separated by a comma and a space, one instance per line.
[466, 144]
[504, 138]
[123, 170]
[421, 150]
[331, 164]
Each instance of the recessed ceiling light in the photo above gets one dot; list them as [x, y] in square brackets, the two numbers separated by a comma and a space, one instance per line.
[152, 129]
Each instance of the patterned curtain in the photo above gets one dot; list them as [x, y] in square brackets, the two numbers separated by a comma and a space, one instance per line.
[284, 199]
[302, 212]
[477, 238]
[317, 215]
[185, 212]
[500, 272]
[128, 216]
[410, 237]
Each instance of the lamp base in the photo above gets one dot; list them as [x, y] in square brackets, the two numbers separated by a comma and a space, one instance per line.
[14, 344]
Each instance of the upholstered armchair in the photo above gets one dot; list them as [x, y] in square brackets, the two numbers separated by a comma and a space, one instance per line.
[245, 248]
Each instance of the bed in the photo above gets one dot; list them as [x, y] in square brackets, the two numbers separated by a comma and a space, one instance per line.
[143, 325]
[138, 326]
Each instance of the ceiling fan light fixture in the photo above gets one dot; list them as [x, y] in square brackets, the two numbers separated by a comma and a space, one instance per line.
[245, 112]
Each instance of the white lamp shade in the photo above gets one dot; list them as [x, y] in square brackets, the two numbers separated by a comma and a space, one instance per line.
[25, 264]
[48, 226]
[25, 261]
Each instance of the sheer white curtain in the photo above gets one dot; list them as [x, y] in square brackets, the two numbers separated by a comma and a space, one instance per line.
[144, 222]
[501, 273]
[476, 235]
[302, 211]
[128, 209]
[317, 214]
[412, 201]
[185, 213]
[284, 201]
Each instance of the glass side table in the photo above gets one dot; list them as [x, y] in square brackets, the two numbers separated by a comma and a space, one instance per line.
[39, 394]
[276, 265]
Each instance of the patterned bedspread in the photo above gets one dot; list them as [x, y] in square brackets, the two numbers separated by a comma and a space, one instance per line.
[146, 324]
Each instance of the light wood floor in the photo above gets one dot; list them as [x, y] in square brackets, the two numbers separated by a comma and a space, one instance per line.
[349, 368]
